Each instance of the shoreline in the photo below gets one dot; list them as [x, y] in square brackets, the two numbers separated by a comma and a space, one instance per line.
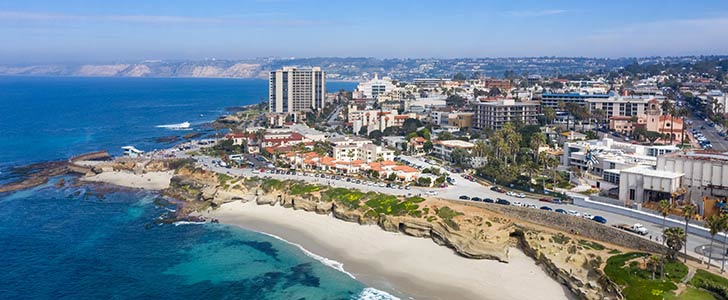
[404, 266]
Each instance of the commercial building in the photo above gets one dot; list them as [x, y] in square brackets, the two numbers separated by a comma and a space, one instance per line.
[374, 88]
[552, 100]
[443, 149]
[493, 115]
[360, 150]
[606, 158]
[295, 89]
[460, 119]
[623, 106]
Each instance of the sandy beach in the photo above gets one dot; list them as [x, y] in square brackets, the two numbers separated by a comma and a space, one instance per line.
[396, 263]
[147, 181]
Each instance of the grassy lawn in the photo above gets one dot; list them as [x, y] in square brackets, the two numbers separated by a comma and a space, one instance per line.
[709, 281]
[637, 283]
[302, 188]
[691, 294]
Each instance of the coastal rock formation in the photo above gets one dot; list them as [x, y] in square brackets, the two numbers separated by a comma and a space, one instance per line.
[471, 231]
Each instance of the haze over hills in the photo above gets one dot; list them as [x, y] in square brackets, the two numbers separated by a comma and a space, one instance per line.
[345, 68]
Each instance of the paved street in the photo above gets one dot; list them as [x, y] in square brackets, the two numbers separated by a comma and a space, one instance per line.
[711, 133]
[453, 192]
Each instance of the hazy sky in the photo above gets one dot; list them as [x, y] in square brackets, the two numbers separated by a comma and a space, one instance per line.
[34, 31]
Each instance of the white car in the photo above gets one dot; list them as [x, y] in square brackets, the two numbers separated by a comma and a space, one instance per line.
[529, 205]
[509, 193]
[431, 193]
[587, 216]
[521, 195]
[517, 203]
[573, 213]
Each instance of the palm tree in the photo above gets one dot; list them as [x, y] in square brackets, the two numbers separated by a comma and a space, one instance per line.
[664, 207]
[724, 221]
[652, 264]
[688, 213]
[714, 223]
[537, 140]
[674, 237]
[682, 113]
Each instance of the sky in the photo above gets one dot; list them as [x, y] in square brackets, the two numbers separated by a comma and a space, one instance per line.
[77, 31]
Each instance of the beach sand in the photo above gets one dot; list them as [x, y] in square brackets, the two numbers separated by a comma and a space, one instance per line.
[396, 263]
[148, 181]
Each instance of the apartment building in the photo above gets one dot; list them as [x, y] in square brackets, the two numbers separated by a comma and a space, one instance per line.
[552, 100]
[296, 89]
[493, 115]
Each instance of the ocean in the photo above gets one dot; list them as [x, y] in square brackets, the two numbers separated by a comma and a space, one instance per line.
[60, 241]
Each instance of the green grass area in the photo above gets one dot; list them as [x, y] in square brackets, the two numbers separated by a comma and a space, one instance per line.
[271, 185]
[301, 188]
[637, 283]
[447, 214]
[349, 197]
[691, 293]
[560, 238]
[591, 245]
[392, 205]
[711, 282]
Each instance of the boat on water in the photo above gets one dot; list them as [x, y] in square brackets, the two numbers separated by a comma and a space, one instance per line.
[183, 125]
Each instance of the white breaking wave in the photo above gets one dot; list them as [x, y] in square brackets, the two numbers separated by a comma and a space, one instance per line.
[183, 125]
[374, 294]
[328, 262]
[187, 223]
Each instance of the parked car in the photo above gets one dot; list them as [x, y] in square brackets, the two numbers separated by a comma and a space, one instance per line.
[529, 205]
[517, 203]
[521, 195]
[599, 219]
[464, 197]
[546, 208]
[488, 200]
[587, 216]
[431, 193]
[476, 199]
[573, 213]
[561, 211]
[497, 189]
[503, 201]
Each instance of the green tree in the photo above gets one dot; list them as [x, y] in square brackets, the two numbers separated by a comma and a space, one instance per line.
[375, 135]
[674, 237]
[537, 140]
[652, 136]
[459, 156]
[427, 146]
[424, 133]
[550, 114]
[392, 177]
[411, 125]
[424, 181]
[664, 207]
[688, 213]
[714, 224]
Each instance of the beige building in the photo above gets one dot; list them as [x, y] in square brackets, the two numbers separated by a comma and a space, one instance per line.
[460, 119]
[293, 89]
[494, 114]
[444, 148]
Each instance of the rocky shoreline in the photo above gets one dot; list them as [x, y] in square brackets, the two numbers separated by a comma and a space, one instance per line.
[470, 231]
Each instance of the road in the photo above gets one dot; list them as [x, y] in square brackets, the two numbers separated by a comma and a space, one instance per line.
[460, 187]
[711, 133]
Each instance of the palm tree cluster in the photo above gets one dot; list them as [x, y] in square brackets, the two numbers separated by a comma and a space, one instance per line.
[716, 224]
[513, 150]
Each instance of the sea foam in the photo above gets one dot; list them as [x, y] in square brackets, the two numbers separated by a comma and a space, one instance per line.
[374, 294]
[328, 262]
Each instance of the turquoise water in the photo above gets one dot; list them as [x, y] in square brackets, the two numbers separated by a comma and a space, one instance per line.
[90, 243]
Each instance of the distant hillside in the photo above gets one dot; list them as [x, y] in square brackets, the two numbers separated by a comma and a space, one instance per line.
[211, 69]
[354, 68]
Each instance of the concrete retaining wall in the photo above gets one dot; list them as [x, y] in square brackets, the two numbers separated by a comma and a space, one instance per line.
[585, 201]
[576, 225]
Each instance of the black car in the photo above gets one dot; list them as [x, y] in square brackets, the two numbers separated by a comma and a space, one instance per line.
[503, 201]
[476, 199]
[546, 208]
[561, 211]
[599, 219]
[463, 197]
[488, 200]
